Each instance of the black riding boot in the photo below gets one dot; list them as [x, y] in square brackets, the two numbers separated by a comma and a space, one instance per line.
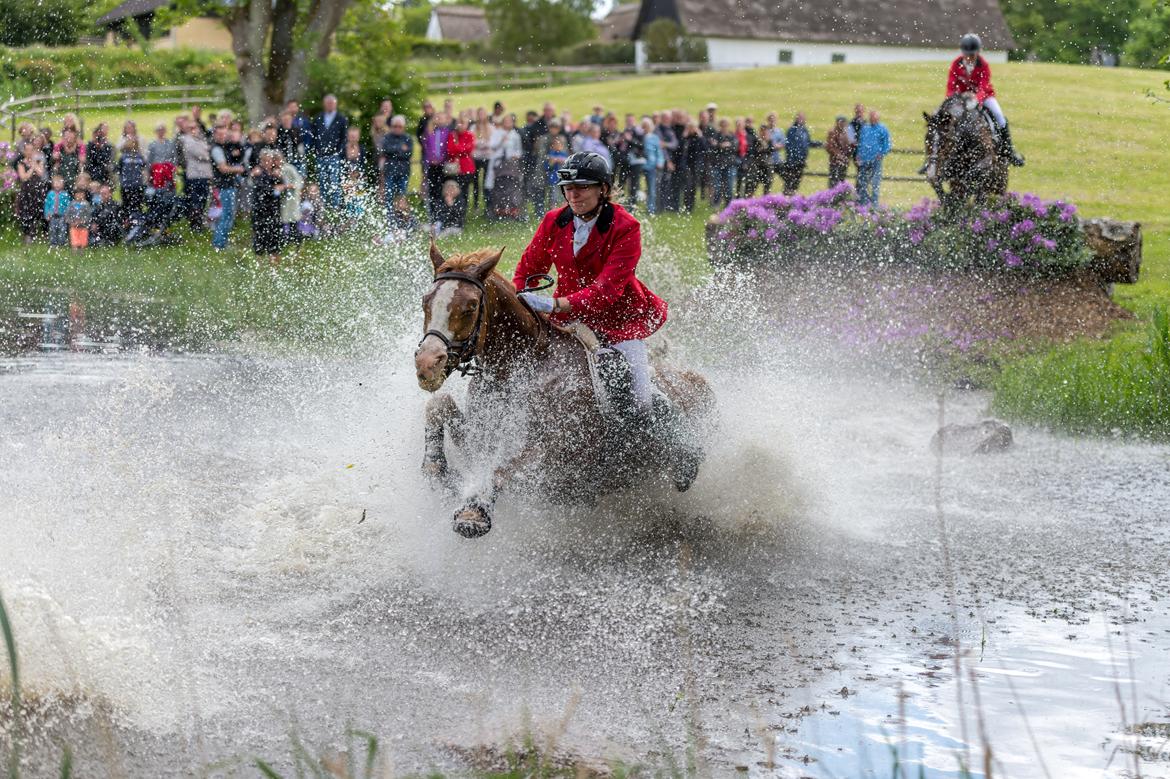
[1008, 149]
[664, 424]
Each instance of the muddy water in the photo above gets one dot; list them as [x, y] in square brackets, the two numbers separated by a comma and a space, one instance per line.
[206, 554]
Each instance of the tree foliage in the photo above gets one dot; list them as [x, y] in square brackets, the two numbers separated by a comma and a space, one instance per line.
[528, 30]
[1072, 31]
[48, 22]
[274, 42]
[366, 66]
[1149, 38]
[665, 42]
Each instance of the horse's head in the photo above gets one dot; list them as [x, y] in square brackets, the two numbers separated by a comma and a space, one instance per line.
[454, 314]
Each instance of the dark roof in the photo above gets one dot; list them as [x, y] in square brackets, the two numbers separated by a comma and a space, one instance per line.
[130, 9]
[462, 22]
[618, 24]
[929, 23]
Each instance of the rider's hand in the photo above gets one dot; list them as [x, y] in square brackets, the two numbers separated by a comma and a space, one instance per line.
[538, 302]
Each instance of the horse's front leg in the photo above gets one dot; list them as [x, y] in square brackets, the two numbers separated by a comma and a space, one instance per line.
[475, 518]
[442, 415]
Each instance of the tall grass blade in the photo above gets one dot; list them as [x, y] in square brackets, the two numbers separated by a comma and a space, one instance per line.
[14, 668]
[67, 763]
[371, 750]
[267, 770]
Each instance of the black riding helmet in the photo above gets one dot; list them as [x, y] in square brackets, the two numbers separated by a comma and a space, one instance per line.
[585, 167]
[970, 43]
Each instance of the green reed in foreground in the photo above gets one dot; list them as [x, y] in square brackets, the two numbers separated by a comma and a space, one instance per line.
[1121, 385]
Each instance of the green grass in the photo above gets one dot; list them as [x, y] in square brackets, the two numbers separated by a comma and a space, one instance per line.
[1121, 385]
[190, 297]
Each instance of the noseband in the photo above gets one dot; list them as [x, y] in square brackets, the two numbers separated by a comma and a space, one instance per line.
[464, 349]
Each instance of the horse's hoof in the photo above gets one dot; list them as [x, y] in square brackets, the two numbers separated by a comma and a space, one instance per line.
[685, 468]
[472, 521]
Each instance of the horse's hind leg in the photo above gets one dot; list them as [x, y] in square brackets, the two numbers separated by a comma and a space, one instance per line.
[441, 415]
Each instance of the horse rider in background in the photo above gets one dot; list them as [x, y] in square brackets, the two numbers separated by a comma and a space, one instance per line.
[970, 74]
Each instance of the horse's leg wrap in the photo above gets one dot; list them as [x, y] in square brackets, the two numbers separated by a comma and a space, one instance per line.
[441, 414]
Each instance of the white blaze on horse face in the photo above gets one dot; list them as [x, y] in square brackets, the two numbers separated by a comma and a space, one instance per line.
[430, 361]
[441, 309]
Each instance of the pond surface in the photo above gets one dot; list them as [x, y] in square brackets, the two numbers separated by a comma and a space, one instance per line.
[206, 554]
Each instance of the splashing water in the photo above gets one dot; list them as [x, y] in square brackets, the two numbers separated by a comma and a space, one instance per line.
[203, 553]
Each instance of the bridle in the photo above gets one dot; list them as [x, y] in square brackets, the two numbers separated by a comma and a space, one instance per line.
[466, 349]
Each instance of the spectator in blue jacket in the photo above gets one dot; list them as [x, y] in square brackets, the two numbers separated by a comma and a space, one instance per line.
[655, 161]
[797, 141]
[873, 144]
[396, 152]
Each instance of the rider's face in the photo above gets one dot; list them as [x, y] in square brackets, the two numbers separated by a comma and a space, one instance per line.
[582, 198]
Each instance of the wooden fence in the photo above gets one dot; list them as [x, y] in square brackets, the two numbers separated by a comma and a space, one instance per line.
[529, 76]
[13, 112]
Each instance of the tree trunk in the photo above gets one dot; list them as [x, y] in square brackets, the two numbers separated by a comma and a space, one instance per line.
[314, 44]
[249, 25]
[290, 40]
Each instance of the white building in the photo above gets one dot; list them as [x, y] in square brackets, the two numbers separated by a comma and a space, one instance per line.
[464, 23]
[753, 33]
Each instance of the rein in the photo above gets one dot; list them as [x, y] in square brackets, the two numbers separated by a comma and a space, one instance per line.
[466, 350]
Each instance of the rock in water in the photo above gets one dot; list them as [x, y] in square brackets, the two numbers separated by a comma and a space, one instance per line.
[990, 435]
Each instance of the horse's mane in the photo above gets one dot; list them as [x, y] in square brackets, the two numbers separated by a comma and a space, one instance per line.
[464, 263]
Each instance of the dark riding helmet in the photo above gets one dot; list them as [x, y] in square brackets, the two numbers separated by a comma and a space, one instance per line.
[970, 43]
[585, 167]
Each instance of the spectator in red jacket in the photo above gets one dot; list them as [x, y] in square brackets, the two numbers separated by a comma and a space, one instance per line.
[970, 74]
[460, 162]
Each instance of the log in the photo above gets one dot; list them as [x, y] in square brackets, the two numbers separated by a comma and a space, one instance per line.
[1116, 248]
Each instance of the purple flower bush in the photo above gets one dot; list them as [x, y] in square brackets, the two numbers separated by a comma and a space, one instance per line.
[1018, 232]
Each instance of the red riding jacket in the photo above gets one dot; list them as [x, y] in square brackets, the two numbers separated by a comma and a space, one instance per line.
[977, 82]
[599, 282]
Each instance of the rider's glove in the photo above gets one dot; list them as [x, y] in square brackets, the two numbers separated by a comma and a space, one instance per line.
[537, 302]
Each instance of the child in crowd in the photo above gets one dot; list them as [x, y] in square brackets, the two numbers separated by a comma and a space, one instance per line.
[132, 175]
[401, 223]
[56, 205]
[312, 213]
[557, 154]
[403, 220]
[266, 194]
[108, 219]
[79, 216]
[290, 201]
[449, 211]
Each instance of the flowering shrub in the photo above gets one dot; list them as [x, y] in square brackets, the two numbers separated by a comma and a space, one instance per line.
[8, 184]
[1015, 232]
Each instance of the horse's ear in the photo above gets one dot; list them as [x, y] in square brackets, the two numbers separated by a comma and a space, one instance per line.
[484, 268]
[926, 116]
[437, 259]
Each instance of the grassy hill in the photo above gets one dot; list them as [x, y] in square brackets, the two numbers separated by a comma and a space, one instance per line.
[1091, 135]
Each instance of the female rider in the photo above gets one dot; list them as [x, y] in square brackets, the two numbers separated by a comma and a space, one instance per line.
[971, 74]
[595, 245]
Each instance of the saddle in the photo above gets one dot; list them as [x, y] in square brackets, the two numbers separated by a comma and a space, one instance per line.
[608, 371]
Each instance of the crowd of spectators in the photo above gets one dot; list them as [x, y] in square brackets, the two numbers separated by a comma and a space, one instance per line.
[300, 177]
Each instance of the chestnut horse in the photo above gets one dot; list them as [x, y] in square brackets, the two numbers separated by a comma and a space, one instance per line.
[531, 412]
[963, 159]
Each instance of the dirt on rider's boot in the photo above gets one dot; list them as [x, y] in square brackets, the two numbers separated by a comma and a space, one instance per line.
[1007, 148]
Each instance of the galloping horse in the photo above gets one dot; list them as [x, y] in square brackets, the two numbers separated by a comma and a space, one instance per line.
[964, 161]
[531, 405]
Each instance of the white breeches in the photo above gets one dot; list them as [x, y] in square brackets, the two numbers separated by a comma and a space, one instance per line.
[992, 105]
[638, 358]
